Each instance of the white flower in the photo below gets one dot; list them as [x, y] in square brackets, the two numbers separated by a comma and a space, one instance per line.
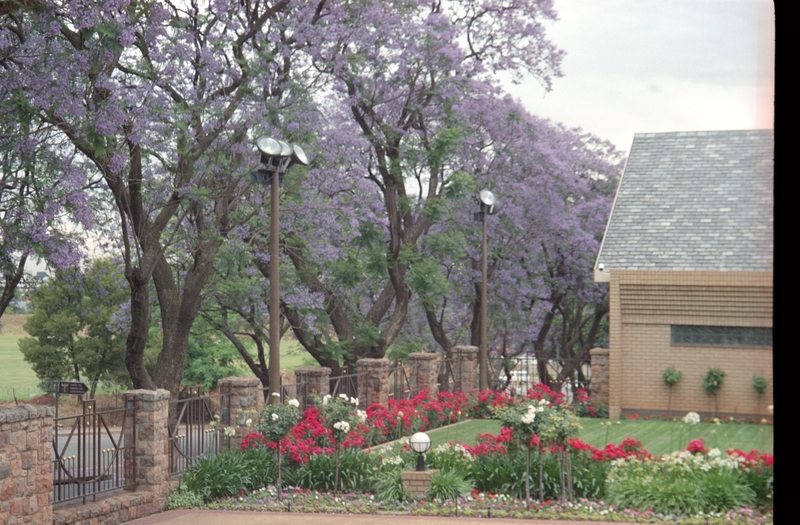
[399, 413]
[354, 400]
[344, 396]
[361, 415]
[248, 422]
[691, 418]
[344, 426]
[326, 399]
[275, 416]
[276, 394]
[230, 431]
[294, 403]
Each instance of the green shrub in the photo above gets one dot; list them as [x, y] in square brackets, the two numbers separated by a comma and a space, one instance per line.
[218, 476]
[448, 485]
[182, 497]
[449, 458]
[261, 467]
[724, 490]
[588, 476]
[760, 384]
[388, 486]
[319, 473]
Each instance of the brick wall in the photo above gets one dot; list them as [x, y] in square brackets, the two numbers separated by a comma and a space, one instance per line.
[644, 304]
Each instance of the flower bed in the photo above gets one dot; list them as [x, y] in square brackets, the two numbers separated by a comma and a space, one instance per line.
[325, 450]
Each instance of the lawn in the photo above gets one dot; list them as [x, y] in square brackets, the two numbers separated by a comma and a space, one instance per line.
[17, 377]
[659, 437]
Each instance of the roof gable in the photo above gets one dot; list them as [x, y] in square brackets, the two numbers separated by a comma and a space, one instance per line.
[694, 201]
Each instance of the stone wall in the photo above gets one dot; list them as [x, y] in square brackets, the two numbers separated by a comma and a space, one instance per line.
[244, 398]
[465, 371]
[373, 381]
[424, 371]
[26, 473]
[317, 383]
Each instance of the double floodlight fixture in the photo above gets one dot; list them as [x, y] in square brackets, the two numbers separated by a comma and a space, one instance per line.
[489, 205]
[279, 155]
[420, 443]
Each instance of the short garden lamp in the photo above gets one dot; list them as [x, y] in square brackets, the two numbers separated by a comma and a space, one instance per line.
[421, 443]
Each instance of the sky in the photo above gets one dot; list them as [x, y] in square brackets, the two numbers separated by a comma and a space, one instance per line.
[639, 66]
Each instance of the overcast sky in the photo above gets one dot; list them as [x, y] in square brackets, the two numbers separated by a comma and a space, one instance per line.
[636, 66]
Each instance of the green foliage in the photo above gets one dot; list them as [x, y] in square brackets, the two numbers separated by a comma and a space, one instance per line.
[447, 485]
[713, 380]
[449, 458]
[340, 415]
[388, 486]
[723, 490]
[73, 330]
[209, 359]
[182, 497]
[319, 473]
[671, 376]
[760, 384]
[219, 476]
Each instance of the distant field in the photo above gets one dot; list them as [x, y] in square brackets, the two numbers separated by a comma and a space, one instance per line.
[17, 377]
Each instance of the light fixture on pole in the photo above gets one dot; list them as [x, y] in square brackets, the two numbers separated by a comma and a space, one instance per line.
[489, 206]
[277, 156]
[420, 443]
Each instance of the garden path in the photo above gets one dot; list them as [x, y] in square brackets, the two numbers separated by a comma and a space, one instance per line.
[233, 517]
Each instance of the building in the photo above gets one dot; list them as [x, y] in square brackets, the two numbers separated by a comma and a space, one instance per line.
[688, 255]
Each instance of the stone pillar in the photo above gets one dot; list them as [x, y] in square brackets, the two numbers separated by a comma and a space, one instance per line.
[418, 483]
[312, 381]
[465, 368]
[424, 371]
[151, 457]
[373, 381]
[26, 472]
[241, 396]
[599, 383]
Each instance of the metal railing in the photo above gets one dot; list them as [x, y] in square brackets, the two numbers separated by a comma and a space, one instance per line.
[346, 384]
[400, 381]
[194, 430]
[446, 376]
[288, 391]
[91, 458]
[524, 371]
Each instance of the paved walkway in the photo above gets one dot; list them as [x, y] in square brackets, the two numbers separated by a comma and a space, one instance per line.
[235, 517]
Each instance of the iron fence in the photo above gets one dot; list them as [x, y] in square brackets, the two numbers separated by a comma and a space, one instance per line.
[446, 377]
[194, 428]
[518, 374]
[400, 381]
[94, 457]
[346, 384]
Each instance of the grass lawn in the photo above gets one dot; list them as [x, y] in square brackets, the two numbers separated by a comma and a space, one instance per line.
[17, 377]
[659, 437]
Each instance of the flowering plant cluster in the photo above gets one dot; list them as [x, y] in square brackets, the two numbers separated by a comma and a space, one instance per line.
[691, 418]
[278, 419]
[340, 415]
[585, 406]
[422, 412]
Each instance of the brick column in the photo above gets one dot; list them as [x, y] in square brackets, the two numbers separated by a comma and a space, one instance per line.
[26, 473]
[240, 395]
[424, 371]
[465, 369]
[151, 457]
[373, 381]
[599, 384]
[312, 381]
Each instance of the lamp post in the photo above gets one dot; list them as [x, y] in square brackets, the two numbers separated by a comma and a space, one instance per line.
[277, 157]
[420, 443]
[489, 206]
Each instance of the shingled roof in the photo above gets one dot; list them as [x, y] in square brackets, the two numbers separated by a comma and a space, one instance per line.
[694, 201]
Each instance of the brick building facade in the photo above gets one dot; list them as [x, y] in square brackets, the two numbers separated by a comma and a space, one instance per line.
[687, 256]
